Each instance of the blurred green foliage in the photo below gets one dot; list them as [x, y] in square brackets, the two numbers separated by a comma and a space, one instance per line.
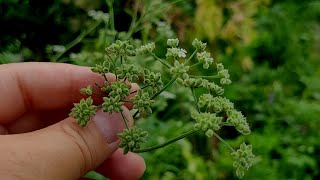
[271, 48]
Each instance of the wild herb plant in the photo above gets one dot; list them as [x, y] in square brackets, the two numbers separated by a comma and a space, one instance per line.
[147, 19]
[211, 110]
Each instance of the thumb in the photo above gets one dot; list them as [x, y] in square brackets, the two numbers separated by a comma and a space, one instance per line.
[64, 150]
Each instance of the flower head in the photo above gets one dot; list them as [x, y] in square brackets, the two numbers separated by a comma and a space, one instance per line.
[237, 119]
[131, 139]
[152, 79]
[128, 71]
[206, 122]
[213, 87]
[87, 90]
[145, 49]
[175, 53]
[83, 111]
[112, 104]
[200, 46]
[205, 58]
[215, 104]
[190, 82]
[142, 102]
[99, 15]
[179, 69]
[243, 159]
[121, 48]
[119, 89]
[223, 74]
[103, 68]
[173, 42]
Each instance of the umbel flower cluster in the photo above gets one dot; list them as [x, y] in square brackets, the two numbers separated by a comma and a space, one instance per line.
[212, 111]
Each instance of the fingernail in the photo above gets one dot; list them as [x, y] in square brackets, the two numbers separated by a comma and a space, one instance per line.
[109, 124]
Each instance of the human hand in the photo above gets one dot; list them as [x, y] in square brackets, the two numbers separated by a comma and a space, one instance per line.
[42, 142]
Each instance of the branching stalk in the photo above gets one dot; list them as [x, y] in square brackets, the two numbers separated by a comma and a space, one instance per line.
[124, 119]
[159, 92]
[223, 141]
[192, 55]
[160, 60]
[194, 65]
[167, 143]
[195, 99]
[164, 88]
[206, 77]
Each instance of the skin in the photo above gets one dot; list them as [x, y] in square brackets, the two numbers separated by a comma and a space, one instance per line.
[38, 139]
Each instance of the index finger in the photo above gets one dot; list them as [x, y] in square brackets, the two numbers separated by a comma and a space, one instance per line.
[40, 86]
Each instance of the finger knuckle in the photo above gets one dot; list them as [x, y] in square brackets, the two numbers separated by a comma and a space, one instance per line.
[79, 140]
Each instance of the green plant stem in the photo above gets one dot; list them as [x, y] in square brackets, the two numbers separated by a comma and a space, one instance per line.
[226, 124]
[195, 99]
[206, 77]
[167, 143]
[111, 14]
[140, 89]
[223, 141]
[97, 94]
[159, 92]
[77, 40]
[133, 22]
[124, 119]
[196, 64]
[160, 60]
[165, 87]
[124, 100]
[192, 55]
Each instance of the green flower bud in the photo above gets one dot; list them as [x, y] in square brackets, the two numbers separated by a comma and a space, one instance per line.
[87, 90]
[173, 42]
[145, 49]
[175, 53]
[128, 71]
[190, 82]
[243, 159]
[220, 67]
[83, 111]
[99, 15]
[119, 89]
[214, 104]
[205, 58]
[131, 139]
[179, 69]
[223, 74]
[200, 46]
[225, 81]
[106, 88]
[121, 48]
[180, 81]
[103, 68]
[209, 133]
[213, 87]
[142, 102]
[206, 121]
[237, 119]
[152, 79]
[112, 104]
